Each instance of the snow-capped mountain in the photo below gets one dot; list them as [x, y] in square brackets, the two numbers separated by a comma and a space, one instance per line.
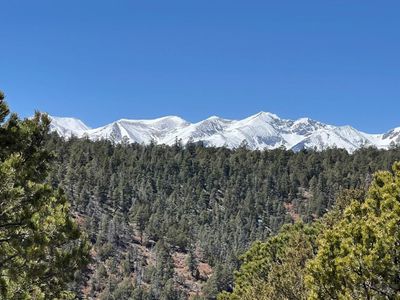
[67, 127]
[393, 136]
[139, 131]
[260, 131]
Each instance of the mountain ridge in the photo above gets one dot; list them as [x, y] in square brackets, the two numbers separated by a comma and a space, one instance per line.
[263, 130]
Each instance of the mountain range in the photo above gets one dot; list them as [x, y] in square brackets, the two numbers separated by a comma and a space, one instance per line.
[261, 131]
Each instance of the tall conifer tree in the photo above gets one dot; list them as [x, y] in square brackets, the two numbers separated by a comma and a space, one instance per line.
[40, 244]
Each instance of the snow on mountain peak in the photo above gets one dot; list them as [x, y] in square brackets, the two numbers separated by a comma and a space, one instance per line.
[393, 136]
[306, 126]
[163, 123]
[264, 117]
[68, 127]
[263, 130]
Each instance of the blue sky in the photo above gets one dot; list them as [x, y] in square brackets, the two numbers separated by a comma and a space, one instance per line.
[334, 61]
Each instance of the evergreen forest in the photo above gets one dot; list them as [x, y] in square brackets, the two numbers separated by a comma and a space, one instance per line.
[174, 222]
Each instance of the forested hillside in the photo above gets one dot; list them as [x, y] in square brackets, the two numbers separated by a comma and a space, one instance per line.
[168, 222]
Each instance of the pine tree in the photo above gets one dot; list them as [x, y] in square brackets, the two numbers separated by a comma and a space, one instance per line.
[275, 269]
[41, 246]
[193, 265]
[359, 258]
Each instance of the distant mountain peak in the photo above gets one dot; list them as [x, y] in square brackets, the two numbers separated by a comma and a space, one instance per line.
[66, 126]
[265, 116]
[266, 113]
[305, 120]
[263, 130]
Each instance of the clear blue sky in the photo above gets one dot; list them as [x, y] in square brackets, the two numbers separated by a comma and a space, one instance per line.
[334, 61]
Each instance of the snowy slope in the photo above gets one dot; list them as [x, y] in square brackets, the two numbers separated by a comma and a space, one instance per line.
[68, 127]
[201, 131]
[260, 131]
[139, 131]
[392, 137]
